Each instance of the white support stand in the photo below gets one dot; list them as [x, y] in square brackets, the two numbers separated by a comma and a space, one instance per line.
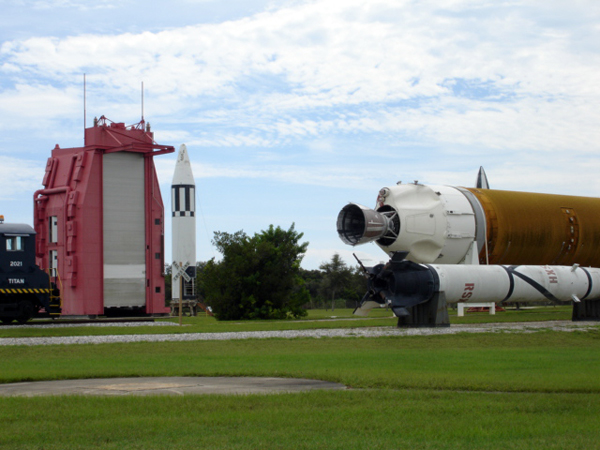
[462, 306]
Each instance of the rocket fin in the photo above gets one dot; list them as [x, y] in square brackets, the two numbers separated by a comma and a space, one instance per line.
[365, 307]
[482, 181]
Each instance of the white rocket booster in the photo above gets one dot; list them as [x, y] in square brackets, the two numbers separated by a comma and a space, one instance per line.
[405, 284]
[183, 207]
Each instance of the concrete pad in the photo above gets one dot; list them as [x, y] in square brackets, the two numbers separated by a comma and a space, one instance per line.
[164, 386]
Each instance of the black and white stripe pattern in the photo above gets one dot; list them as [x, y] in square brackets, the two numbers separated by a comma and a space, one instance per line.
[183, 200]
[512, 271]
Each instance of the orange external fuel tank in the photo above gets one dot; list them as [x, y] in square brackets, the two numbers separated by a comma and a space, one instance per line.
[535, 229]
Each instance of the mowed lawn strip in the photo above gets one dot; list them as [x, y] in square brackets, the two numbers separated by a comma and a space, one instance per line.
[208, 324]
[536, 390]
[542, 361]
[352, 419]
[340, 318]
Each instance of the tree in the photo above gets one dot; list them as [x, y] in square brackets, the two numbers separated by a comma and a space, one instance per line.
[356, 287]
[312, 282]
[200, 291]
[258, 277]
[337, 277]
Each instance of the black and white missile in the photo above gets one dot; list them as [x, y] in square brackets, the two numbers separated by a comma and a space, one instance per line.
[404, 284]
[183, 207]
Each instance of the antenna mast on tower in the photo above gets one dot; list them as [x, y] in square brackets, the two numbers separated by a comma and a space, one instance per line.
[84, 105]
[142, 101]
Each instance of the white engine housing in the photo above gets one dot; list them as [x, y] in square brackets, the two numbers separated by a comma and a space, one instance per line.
[437, 223]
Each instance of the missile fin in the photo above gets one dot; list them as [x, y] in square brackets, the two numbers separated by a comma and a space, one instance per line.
[365, 307]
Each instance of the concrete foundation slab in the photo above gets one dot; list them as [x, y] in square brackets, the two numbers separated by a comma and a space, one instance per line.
[164, 386]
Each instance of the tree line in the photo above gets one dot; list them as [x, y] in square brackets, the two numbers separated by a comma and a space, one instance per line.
[259, 277]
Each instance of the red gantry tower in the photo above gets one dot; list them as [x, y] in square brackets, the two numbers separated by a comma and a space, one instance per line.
[100, 222]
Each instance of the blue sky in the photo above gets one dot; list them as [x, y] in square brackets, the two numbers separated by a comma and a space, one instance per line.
[291, 109]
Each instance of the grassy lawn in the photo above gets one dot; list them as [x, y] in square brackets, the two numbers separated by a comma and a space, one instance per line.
[340, 318]
[468, 391]
[538, 362]
[206, 324]
[374, 419]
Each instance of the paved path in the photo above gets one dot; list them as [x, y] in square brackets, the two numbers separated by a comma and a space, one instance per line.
[519, 327]
[164, 386]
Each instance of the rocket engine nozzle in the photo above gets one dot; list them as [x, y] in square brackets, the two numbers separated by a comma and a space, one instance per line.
[400, 282]
[357, 224]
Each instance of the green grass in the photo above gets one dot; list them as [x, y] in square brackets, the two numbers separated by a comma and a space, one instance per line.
[537, 362]
[207, 324]
[537, 390]
[533, 314]
[340, 318]
[372, 419]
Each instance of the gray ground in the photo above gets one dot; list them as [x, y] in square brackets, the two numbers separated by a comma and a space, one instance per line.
[164, 386]
[523, 327]
[234, 385]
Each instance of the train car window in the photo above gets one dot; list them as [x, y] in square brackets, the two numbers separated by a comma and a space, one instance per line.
[15, 243]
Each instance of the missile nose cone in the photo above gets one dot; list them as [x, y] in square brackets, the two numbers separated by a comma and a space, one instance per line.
[482, 181]
[183, 168]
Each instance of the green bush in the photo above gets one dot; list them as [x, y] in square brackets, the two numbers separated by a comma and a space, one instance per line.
[258, 277]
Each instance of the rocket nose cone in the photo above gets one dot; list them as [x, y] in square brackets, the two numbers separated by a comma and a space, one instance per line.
[182, 156]
[183, 168]
[482, 181]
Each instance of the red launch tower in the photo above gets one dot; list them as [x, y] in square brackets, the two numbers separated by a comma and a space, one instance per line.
[100, 222]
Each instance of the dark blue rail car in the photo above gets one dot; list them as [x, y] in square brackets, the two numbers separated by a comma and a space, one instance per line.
[26, 291]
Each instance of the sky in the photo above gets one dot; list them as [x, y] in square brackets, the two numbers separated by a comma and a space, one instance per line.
[291, 109]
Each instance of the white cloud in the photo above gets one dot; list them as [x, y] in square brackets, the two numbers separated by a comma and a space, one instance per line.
[324, 176]
[50, 5]
[38, 101]
[18, 176]
[327, 53]
[330, 94]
